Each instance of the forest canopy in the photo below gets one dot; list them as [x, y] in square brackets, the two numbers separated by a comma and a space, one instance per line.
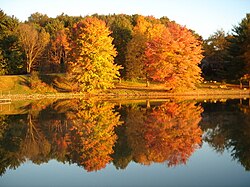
[95, 50]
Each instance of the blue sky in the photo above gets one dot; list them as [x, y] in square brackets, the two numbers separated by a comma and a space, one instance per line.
[203, 16]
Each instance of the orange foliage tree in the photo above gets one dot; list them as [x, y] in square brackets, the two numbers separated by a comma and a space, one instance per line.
[59, 48]
[167, 53]
[135, 50]
[144, 30]
[169, 133]
[92, 56]
[173, 57]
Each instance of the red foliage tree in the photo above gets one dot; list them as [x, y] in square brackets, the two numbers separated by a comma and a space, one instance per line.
[173, 56]
[59, 48]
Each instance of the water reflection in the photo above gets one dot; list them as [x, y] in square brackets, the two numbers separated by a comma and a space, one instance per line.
[94, 133]
[227, 127]
[75, 131]
[167, 133]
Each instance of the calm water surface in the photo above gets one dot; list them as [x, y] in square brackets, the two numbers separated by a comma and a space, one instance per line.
[146, 143]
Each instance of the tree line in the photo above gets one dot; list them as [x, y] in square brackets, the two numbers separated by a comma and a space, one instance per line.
[95, 50]
[227, 55]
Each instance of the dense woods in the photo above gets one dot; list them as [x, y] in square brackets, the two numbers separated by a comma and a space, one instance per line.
[93, 51]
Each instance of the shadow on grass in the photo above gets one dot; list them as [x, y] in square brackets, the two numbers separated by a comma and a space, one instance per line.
[25, 80]
[49, 79]
[57, 81]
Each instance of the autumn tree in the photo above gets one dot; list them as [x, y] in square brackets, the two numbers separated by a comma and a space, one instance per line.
[92, 56]
[58, 49]
[135, 50]
[33, 43]
[173, 56]
[164, 51]
[165, 20]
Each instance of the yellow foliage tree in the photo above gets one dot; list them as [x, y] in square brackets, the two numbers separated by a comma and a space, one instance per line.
[135, 50]
[92, 56]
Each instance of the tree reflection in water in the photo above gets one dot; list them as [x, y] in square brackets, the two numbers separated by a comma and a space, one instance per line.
[227, 127]
[76, 131]
[167, 133]
[94, 133]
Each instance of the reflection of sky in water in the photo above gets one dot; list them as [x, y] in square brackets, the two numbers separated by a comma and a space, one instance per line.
[204, 168]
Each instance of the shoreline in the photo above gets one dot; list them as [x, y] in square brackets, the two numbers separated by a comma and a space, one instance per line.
[133, 94]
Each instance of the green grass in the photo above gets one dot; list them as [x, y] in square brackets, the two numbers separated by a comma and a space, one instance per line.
[203, 90]
[15, 84]
[19, 84]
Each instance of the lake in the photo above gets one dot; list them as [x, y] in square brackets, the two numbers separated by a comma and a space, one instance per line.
[169, 142]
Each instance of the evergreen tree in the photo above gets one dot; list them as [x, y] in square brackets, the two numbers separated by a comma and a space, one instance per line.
[215, 51]
[11, 55]
[238, 51]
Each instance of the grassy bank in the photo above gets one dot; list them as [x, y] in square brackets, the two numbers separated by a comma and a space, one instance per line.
[15, 84]
[18, 87]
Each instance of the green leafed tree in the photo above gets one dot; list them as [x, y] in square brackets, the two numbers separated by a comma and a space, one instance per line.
[239, 50]
[215, 50]
[92, 56]
[11, 55]
[39, 19]
[121, 32]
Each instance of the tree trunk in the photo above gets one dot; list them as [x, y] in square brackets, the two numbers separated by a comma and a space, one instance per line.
[29, 65]
[28, 68]
[147, 81]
